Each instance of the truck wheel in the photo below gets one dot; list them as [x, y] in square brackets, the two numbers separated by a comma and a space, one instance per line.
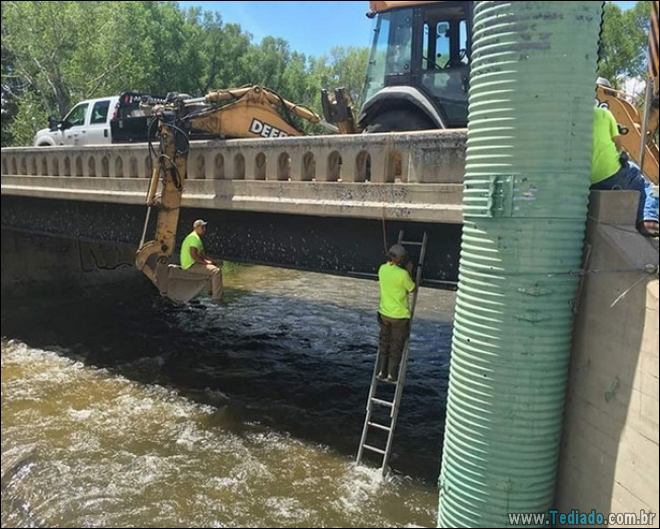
[399, 120]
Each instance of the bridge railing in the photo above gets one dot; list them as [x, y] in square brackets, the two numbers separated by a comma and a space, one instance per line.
[414, 157]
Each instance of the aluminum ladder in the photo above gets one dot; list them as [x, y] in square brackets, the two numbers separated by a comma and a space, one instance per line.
[373, 399]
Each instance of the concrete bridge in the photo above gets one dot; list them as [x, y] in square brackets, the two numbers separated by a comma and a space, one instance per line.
[315, 203]
[319, 204]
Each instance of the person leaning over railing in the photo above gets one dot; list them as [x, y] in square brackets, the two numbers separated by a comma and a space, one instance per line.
[611, 169]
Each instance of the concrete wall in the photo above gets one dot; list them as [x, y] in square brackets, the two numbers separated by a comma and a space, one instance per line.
[609, 458]
[412, 176]
[417, 202]
[412, 157]
[335, 245]
[34, 261]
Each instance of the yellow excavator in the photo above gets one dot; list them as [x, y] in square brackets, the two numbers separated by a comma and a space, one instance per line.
[417, 79]
[247, 112]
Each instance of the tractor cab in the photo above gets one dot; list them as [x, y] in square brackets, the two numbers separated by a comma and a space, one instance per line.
[418, 71]
[419, 65]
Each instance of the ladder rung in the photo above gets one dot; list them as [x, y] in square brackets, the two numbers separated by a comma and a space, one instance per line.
[382, 402]
[373, 449]
[379, 426]
[412, 243]
[386, 381]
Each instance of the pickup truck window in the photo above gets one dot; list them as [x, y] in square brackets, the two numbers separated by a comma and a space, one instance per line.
[100, 112]
[76, 117]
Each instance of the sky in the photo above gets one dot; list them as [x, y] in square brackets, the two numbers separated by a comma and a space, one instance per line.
[310, 27]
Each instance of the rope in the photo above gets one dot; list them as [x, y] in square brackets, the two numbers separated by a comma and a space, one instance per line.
[625, 292]
[146, 224]
[384, 231]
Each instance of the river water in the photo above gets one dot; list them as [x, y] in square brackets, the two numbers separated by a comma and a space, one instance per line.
[119, 409]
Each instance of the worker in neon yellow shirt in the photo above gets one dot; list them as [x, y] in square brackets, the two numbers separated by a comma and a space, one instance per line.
[393, 312]
[194, 260]
[609, 170]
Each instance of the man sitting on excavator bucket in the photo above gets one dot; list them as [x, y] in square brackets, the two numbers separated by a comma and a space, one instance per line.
[194, 260]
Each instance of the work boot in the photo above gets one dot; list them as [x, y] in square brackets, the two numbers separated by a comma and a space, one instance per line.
[649, 228]
[393, 373]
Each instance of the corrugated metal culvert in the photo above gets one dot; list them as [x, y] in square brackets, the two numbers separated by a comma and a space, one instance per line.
[525, 204]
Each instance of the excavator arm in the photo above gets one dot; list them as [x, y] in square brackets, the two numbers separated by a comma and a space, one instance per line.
[169, 166]
[247, 112]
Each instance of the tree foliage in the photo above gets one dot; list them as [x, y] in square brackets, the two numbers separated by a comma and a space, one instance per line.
[57, 53]
[624, 40]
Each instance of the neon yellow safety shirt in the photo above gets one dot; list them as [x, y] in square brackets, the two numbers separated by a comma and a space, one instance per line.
[191, 241]
[605, 156]
[395, 284]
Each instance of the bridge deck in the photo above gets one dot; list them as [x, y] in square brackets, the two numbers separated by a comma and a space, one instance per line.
[314, 203]
[413, 176]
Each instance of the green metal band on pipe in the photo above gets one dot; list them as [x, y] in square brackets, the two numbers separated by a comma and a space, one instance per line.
[526, 191]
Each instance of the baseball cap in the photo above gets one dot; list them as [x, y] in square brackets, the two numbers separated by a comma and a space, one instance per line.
[397, 251]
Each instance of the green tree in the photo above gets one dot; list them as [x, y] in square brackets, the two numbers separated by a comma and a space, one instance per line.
[10, 90]
[343, 67]
[57, 53]
[66, 51]
[624, 39]
[222, 46]
[266, 62]
[348, 69]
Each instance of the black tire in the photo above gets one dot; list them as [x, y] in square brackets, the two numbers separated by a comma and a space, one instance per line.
[399, 121]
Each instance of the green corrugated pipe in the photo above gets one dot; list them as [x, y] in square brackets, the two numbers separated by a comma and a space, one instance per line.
[525, 204]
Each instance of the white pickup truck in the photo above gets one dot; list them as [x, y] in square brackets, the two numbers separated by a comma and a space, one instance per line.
[114, 119]
[87, 123]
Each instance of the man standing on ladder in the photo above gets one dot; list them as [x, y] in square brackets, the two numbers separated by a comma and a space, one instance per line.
[395, 316]
[395, 284]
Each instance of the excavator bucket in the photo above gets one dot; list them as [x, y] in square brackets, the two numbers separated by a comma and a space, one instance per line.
[338, 110]
[181, 286]
[172, 282]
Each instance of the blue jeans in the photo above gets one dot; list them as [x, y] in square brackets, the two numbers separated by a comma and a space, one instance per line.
[629, 177]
